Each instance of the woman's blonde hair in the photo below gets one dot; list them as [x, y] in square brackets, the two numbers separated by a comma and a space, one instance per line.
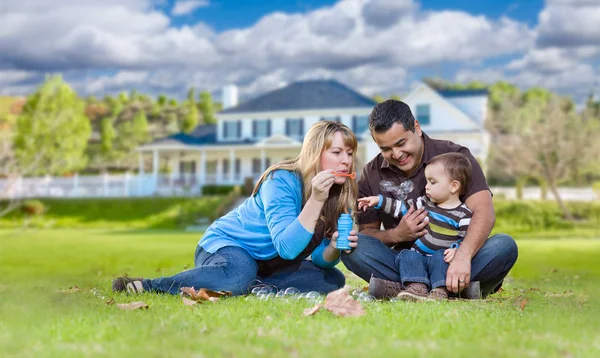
[308, 163]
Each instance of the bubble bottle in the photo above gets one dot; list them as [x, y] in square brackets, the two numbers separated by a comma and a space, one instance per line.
[344, 226]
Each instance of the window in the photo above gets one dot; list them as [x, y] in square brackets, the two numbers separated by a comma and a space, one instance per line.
[187, 166]
[294, 127]
[423, 114]
[232, 129]
[238, 166]
[261, 128]
[360, 124]
[256, 169]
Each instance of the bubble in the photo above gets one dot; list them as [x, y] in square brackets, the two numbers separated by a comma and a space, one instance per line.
[407, 186]
[395, 299]
[256, 290]
[292, 291]
[365, 297]
[385, 185]
[280, 294]
[313, 295]
[268, 296]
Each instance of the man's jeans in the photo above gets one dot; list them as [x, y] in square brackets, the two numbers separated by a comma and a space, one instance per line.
[416, 267]
[489, 266]
[233, 269]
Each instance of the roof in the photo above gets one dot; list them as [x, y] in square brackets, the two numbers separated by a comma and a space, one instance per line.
[204, 134]
[315, 94]
[462, 93]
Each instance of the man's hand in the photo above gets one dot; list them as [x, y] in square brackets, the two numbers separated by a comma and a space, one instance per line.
[412, 225]
[459, 273]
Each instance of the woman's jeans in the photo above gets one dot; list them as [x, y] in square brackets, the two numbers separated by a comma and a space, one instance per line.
[489, 266]
[233, 269]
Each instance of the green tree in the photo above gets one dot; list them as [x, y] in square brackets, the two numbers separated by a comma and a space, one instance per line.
[161, 100]
[52, 131]
[107, 134]
[207, 108]
[140, 128]
[548, 143]
[190, 119]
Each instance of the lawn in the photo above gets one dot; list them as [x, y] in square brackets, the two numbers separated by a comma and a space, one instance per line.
[549, 308]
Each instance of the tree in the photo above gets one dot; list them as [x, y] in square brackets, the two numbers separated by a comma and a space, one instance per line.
[107, 134]
[190, 119]
[544, 140]
[161, 100]
[53, 131]
[140, 128]
[207, 108]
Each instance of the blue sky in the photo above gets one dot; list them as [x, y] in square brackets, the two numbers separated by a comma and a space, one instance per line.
[374, 46]
[225, 15]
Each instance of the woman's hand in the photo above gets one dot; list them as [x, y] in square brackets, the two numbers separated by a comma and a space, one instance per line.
[321, 184]
[352, 238]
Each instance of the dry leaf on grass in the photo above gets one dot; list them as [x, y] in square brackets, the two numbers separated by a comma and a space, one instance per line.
[522, 304]
[188, 302]
[312, 310]
[133, 306]
[110, 302]
[567, 293]
[340, 303]
[203, 294]
[71, 289]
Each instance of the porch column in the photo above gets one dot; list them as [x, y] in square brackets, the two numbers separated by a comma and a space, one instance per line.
[141, 163]
[155, 170]
[202, 168]
[231, 165]
[155, 162]
[263, 161]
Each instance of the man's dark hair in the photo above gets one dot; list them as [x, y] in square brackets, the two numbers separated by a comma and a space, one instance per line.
[457, 166]
[385, 114]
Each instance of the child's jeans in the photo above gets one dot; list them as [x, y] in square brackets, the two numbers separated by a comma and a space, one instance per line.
[416, 267]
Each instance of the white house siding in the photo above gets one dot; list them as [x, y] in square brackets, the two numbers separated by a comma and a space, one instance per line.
[443, 115]
[474, 106]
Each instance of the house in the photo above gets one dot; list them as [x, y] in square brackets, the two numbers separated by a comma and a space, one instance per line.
[454, 115]
[252, 135]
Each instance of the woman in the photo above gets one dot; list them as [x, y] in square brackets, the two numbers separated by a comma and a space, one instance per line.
[266, 239]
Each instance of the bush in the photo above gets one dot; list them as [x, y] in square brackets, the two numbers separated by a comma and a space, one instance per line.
[226, 204]
[217, 189]
[33, 207]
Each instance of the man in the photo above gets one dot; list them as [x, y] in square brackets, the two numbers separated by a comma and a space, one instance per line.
[405, 151]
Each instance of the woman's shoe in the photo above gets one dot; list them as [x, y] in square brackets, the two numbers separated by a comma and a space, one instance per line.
[131, 285]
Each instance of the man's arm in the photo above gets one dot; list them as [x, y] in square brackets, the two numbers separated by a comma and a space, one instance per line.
[482, 222]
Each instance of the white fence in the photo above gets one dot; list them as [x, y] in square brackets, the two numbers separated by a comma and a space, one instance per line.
[125, 185]
[128, 185]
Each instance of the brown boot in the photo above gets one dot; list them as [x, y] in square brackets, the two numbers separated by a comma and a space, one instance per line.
[415, 291]
[383, 289]
[439, 294]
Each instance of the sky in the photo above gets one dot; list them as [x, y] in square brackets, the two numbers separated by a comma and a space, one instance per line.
[374, 46]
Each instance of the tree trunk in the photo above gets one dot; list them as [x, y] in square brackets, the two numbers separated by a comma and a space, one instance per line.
[566, 213]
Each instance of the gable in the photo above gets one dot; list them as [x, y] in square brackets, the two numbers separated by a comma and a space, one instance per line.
[444, 116]
[305, 95]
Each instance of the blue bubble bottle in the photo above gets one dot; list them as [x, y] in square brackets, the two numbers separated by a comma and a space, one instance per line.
[344, 225]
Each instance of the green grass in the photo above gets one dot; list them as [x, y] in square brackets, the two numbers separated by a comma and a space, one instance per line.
[37, 320]
[127, 213]
[523, 219]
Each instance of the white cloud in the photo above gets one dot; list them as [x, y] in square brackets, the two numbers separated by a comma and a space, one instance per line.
[371, 45]
[488, 75]
[188, 6]
[569, 23]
